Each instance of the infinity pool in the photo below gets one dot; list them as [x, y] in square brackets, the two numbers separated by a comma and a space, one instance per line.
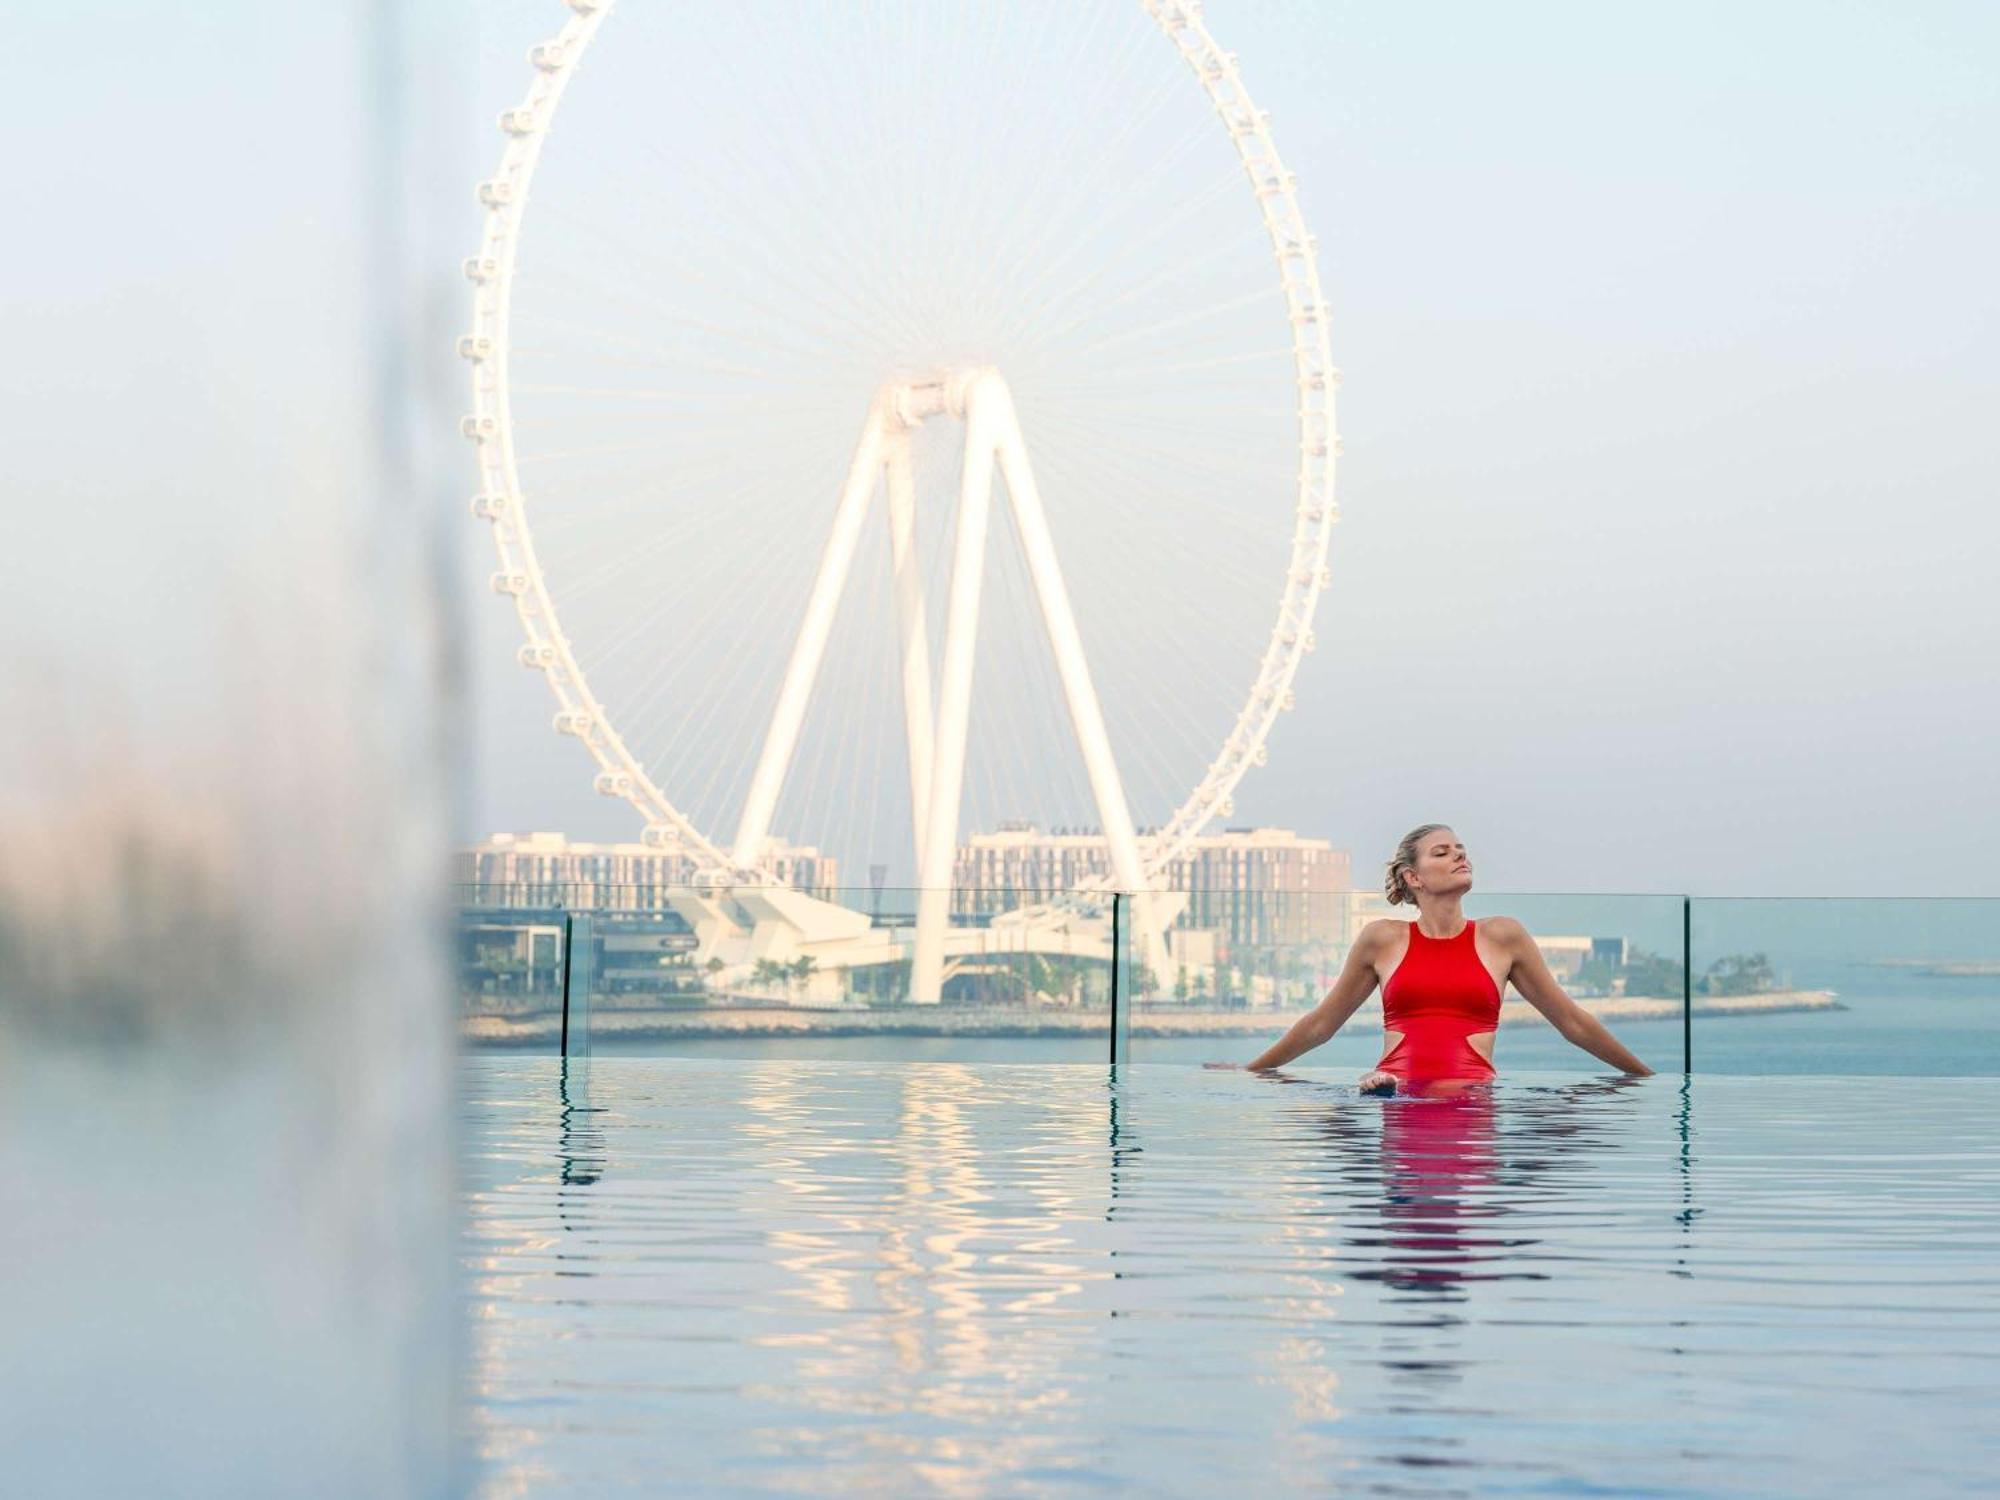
[932, 1278]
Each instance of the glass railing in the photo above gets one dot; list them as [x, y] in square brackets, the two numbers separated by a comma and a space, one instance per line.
[1243, 967]
[1906, 986]
[761, 971]
[1766, 985]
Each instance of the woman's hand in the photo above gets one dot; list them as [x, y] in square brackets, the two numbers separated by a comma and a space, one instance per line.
[1377, 1082]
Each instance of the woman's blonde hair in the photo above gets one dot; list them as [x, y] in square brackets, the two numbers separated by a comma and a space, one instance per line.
[1406, 859]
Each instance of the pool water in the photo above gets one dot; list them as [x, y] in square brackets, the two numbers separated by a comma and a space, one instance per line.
[781, 1277]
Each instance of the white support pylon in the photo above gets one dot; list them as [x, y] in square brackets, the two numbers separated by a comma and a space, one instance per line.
[993, 439]
[783, 737]
[937, 742]
[961, 633]
[1079, 693]
[918, 722]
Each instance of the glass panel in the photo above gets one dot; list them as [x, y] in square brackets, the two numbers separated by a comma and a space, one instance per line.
[1618, 955]
[1907, 986]
[1241, 967]
[760, 972]
[1122, 970]
[508, 959]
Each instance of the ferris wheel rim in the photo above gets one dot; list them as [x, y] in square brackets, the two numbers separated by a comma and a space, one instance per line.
[499, 501]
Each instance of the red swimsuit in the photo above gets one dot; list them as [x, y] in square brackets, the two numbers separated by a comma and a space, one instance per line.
[1439, 995]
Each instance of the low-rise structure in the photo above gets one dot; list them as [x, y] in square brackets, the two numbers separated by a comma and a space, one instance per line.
[549, 869]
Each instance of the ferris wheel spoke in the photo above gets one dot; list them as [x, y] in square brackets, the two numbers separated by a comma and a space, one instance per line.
[1168, 325]
[593, 450]
[1079, 301]
[791, 105]
[717, 543]
[1234, 565]
[765, 377]
[647, 270]
[581, 582]
[596, 339]
[1039, 679]
[1027, 185]
[727, 772]
[1104, 478]
[1039, 289]
[666, 683]
[1095, 184]
[854, 684]
[1034, 692]
[1140, 439]
[804, 342]
[627, 393]
[848, 820]
[1003, 200]
[1124, 468]
[1148, 291]
[666, 692]
[1279, 358]
[653, 489]
[695, 630]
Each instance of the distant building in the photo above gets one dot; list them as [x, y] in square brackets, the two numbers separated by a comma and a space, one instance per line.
[1252, 887]
[508, 952]
[1565, 956]
[1362, 907]
[548, 869]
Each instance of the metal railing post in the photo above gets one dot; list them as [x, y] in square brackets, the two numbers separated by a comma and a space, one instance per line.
[568, 962]
[578, 979]
[1687, 985]
[1121, 980]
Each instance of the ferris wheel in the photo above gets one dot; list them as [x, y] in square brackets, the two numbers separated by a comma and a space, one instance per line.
[785, 260]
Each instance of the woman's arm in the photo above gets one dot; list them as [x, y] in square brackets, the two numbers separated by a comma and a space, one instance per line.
[1355, 984]
[1529, 973]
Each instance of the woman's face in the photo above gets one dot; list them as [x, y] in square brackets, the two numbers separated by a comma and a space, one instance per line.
[1442, 867]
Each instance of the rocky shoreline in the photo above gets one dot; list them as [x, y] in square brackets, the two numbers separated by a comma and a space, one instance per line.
[1172, 1020]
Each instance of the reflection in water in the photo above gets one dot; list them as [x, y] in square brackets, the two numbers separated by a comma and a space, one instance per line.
[1439, 1191]
[926, 1280]
[940, 1278]
[1684, 1125]
[1451, 1168]
[1438, 1156]
[579, 1137]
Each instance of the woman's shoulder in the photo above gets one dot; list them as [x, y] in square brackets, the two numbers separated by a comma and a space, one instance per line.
[1383, 931]
[1503, 929]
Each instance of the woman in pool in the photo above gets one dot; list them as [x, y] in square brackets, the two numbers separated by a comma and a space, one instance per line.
[1441, 979]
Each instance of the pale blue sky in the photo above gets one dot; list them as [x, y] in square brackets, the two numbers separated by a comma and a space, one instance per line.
[1668, 551]
[1667, 557]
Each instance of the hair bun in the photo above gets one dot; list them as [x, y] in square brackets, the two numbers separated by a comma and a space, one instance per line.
[1405, 858]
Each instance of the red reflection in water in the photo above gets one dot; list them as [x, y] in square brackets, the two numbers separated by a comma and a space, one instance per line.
[1440, 1159]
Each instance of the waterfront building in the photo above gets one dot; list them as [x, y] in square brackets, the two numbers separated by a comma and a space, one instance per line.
[1251, 887]
[549, 869]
